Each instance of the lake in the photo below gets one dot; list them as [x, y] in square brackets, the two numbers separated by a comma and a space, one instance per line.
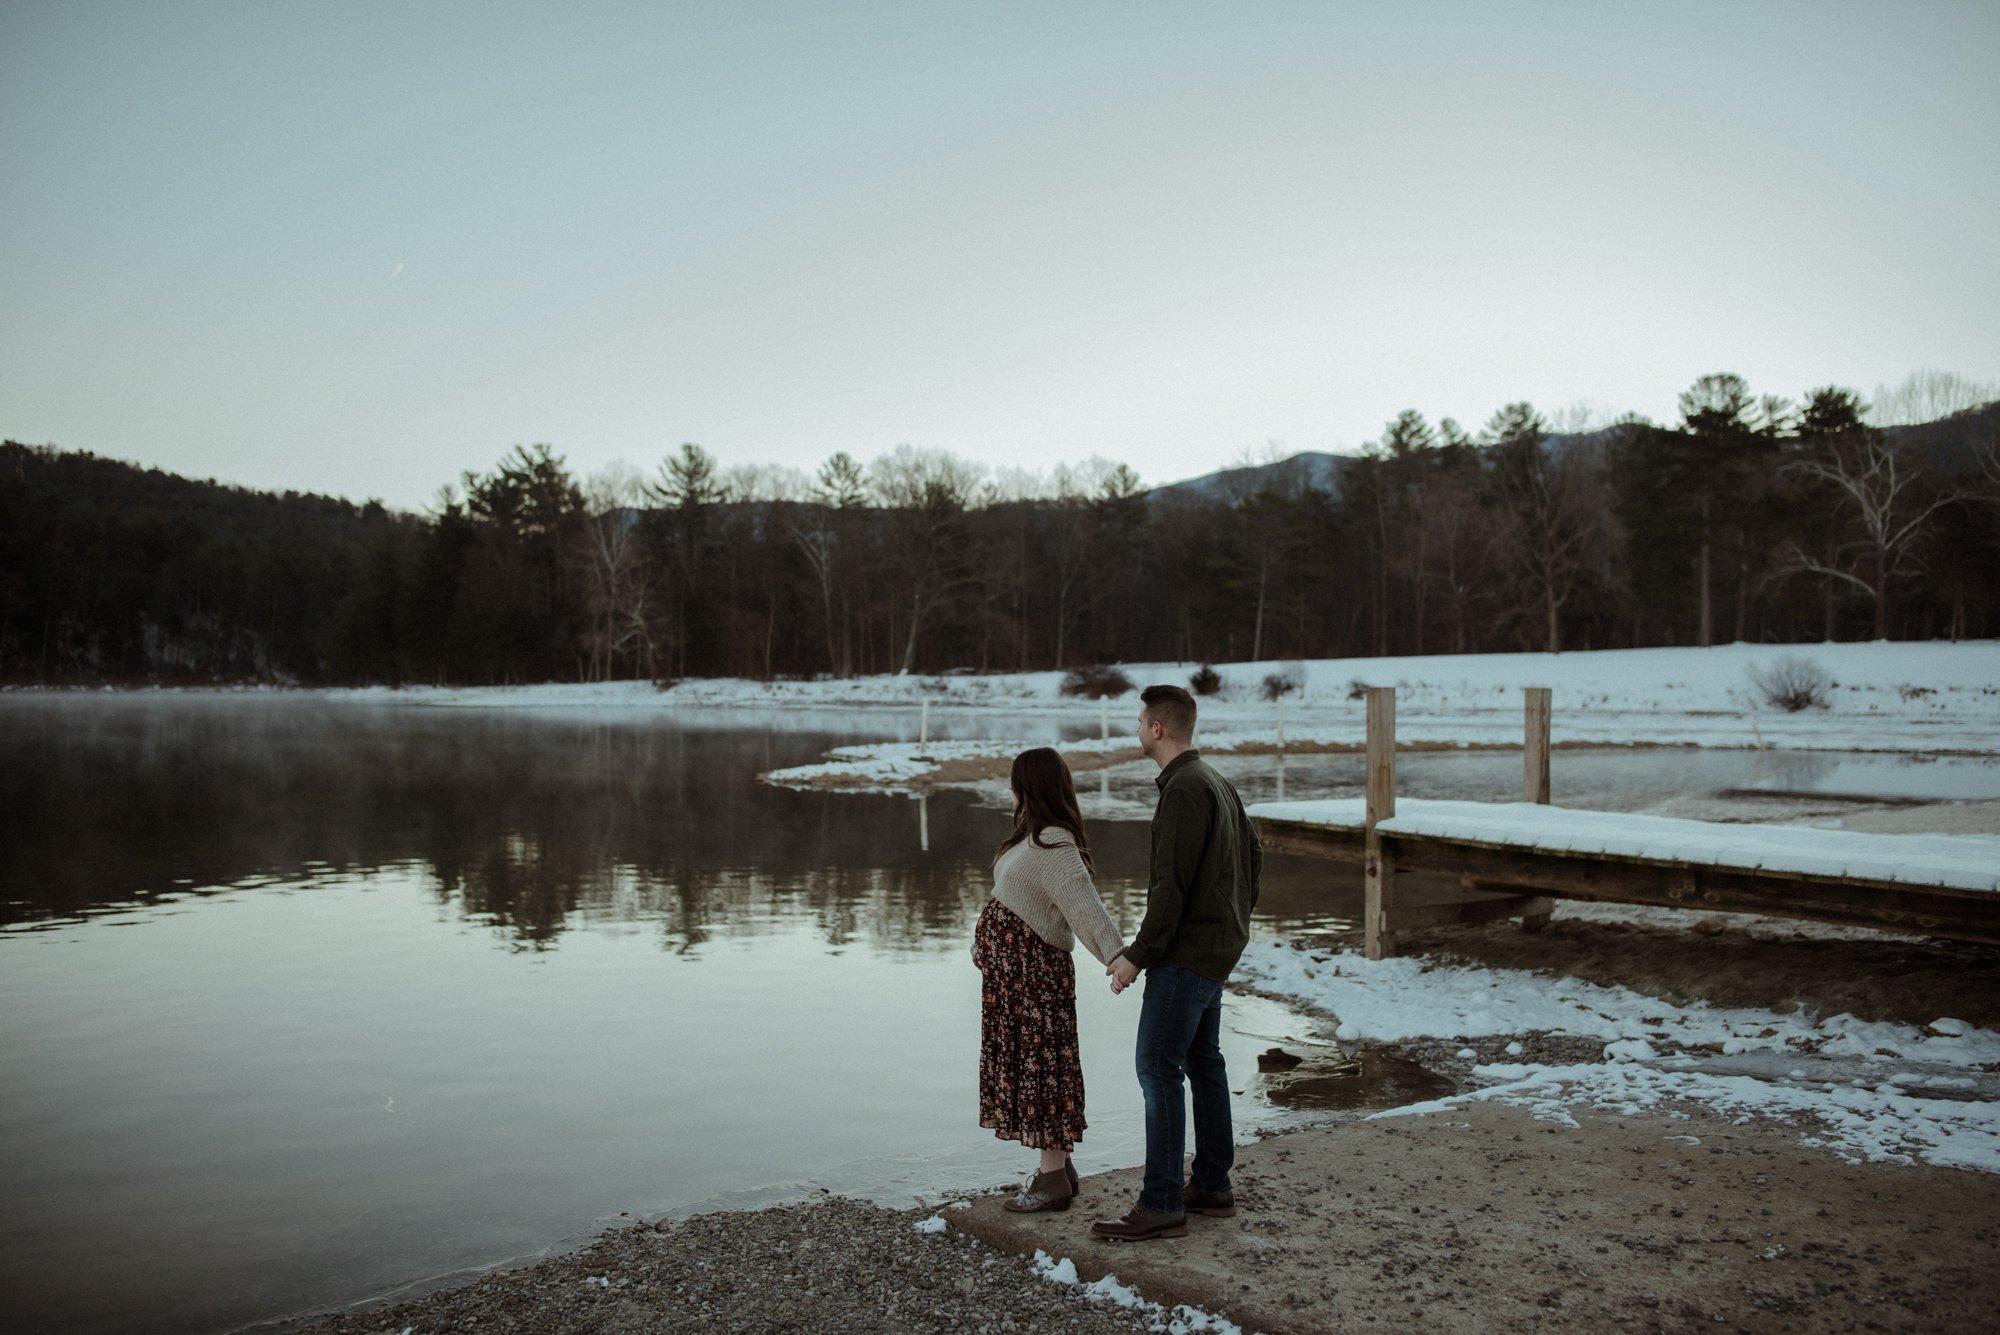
[307, 1001]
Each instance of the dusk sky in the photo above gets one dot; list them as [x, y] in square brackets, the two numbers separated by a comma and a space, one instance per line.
[360, 248]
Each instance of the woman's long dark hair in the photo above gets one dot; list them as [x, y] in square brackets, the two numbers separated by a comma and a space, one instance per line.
[1045, 795]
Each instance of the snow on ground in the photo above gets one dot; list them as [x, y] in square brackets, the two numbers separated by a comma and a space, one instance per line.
[1879, 1124]
[1959, 861]
[1871, 1089]
[1178, 1320]
[1886, 697]
[1413, 997]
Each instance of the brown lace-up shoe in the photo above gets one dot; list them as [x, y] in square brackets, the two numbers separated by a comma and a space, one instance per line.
[1138, 1224]
[1047, 1192]
[1075, 1182]
[1214, 1204]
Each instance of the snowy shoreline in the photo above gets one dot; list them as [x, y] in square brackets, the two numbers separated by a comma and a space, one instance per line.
[1883, 1091]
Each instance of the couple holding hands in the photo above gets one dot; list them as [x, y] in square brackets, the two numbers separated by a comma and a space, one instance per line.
[1203, 886]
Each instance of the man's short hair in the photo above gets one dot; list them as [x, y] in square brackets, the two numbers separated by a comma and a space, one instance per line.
[1172, 708]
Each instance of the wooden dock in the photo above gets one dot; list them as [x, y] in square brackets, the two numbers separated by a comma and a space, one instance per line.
[1502, 862]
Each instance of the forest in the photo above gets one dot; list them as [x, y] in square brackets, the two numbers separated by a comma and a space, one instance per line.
[1750, 518]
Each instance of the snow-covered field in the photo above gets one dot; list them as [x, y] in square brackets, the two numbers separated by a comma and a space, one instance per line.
[1923, 698]
[1884, 696]
[1865, 1090]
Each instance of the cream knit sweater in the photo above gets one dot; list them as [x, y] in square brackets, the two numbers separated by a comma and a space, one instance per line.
[1051, 890]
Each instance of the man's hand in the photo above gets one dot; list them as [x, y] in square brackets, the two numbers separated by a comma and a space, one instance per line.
[1123, 973]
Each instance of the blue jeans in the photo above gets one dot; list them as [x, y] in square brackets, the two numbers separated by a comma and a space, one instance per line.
[1180, 1023]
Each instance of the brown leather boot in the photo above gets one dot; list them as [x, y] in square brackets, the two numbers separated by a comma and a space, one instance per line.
[1047, 1192]
[1075, 1182]
[1138, 1224]
[1214, 1204]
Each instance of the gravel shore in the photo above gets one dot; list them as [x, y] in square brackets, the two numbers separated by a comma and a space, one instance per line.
[827, 1265]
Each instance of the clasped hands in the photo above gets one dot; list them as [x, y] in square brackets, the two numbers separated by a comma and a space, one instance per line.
[1122, 972]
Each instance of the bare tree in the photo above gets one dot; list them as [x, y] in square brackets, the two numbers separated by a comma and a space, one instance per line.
[1454, 519]
[612, 561]
[1069, 547]
[820, 528]
[1555, 510]
[1926, 396]
[1877, 487]
[926, 493]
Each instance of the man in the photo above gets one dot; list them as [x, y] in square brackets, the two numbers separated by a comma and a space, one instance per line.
[1206, 861]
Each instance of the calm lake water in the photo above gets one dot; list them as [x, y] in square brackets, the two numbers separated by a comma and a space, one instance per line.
[303, 1001]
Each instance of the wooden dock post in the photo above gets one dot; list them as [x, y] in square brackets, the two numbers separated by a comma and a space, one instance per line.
[1536, 751]
[1378, 869]
[1535, 912]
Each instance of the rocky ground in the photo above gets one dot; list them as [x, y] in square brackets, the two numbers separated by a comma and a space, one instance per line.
[827, 1265]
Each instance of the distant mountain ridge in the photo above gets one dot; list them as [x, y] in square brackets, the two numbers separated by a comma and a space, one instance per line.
[1308, 470]
[1949, 443]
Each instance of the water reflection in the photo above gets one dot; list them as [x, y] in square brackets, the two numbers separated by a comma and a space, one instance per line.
[530, 824]
[1368, 1079]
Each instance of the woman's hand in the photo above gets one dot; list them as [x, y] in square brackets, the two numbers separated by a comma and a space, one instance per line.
[1123, 973]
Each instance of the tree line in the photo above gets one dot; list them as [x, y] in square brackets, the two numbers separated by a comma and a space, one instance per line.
[1750, 518]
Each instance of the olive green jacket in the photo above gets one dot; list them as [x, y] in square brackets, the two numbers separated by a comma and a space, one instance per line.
[1206, 863]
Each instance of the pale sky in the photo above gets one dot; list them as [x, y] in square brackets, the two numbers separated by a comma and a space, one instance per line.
[362, 247]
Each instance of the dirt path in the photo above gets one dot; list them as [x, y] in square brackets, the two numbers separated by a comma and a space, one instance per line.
[1484, 1219]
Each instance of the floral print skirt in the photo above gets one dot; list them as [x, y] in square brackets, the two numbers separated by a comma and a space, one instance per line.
[1030, 1075]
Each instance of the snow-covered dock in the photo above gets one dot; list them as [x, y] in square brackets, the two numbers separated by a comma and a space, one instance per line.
[1474, 861]
[1431, 862]
[1941, 861]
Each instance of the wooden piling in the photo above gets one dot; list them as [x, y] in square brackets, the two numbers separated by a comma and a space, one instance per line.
[1378, 868]
[1535, 912]
[1536, 750]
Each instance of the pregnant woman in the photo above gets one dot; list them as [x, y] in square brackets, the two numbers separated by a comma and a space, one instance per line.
[1030, 1076]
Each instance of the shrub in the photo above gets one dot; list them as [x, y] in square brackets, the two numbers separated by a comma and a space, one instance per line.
[1287, 680]
[1792, 683]
[1095, 683]
[1205, 682]
[1357, 689]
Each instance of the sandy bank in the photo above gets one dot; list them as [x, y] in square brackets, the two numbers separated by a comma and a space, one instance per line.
[1484, 1219]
